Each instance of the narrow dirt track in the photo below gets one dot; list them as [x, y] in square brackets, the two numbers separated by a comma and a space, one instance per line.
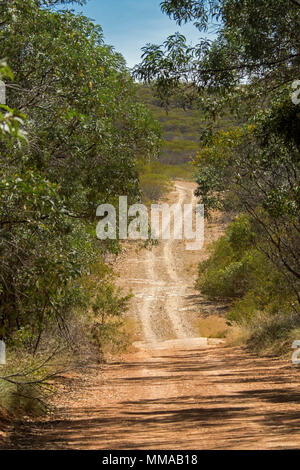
[175, 391]
[159, 286]
[162, 279]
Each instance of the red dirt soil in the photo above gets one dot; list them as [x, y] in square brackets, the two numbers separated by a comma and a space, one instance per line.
[174, 391]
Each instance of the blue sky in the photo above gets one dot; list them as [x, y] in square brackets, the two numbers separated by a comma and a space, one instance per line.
[129, 24]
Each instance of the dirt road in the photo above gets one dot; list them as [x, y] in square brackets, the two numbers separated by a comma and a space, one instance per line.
[176, 390]
[162, 280]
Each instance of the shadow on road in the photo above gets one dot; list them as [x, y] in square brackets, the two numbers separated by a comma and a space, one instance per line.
[224, 399]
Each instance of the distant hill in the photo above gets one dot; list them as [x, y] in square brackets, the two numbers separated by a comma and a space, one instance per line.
[181, 129]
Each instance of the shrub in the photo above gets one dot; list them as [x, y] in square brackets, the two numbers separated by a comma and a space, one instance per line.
[262, 301]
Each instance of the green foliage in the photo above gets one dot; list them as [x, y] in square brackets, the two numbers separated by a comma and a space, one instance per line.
[156, 178]
[261, 298]
[154, 186]
[273, 334]
[10, 119]
[226, 274]
[257, 41]
[23, 391]
[181, 128]
[153, 180]
[175, 172]
[252, 167]
[256, 170]
[105, 304]
[77, 148]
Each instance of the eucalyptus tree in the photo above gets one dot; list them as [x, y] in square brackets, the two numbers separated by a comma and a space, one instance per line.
[249, 69]
[83, 132]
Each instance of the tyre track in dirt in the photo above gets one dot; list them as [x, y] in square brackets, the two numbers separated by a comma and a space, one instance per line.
[159, 286]
[174, 390]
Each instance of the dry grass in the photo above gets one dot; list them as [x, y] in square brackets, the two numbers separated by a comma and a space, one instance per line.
[123, 340]
[212, 326]
[237, 335]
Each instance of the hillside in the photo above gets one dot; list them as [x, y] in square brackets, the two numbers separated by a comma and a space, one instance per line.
[181, 128]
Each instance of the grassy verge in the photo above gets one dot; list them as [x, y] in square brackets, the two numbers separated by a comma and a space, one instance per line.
[212, 326]
[26, 384]
[156, 179]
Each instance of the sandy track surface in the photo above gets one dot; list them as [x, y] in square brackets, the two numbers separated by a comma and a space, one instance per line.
[176, 390]
[208, 397]
[162, 280]
[160, 289]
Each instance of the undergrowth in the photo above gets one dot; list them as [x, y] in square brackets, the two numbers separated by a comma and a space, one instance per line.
[264, 310]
